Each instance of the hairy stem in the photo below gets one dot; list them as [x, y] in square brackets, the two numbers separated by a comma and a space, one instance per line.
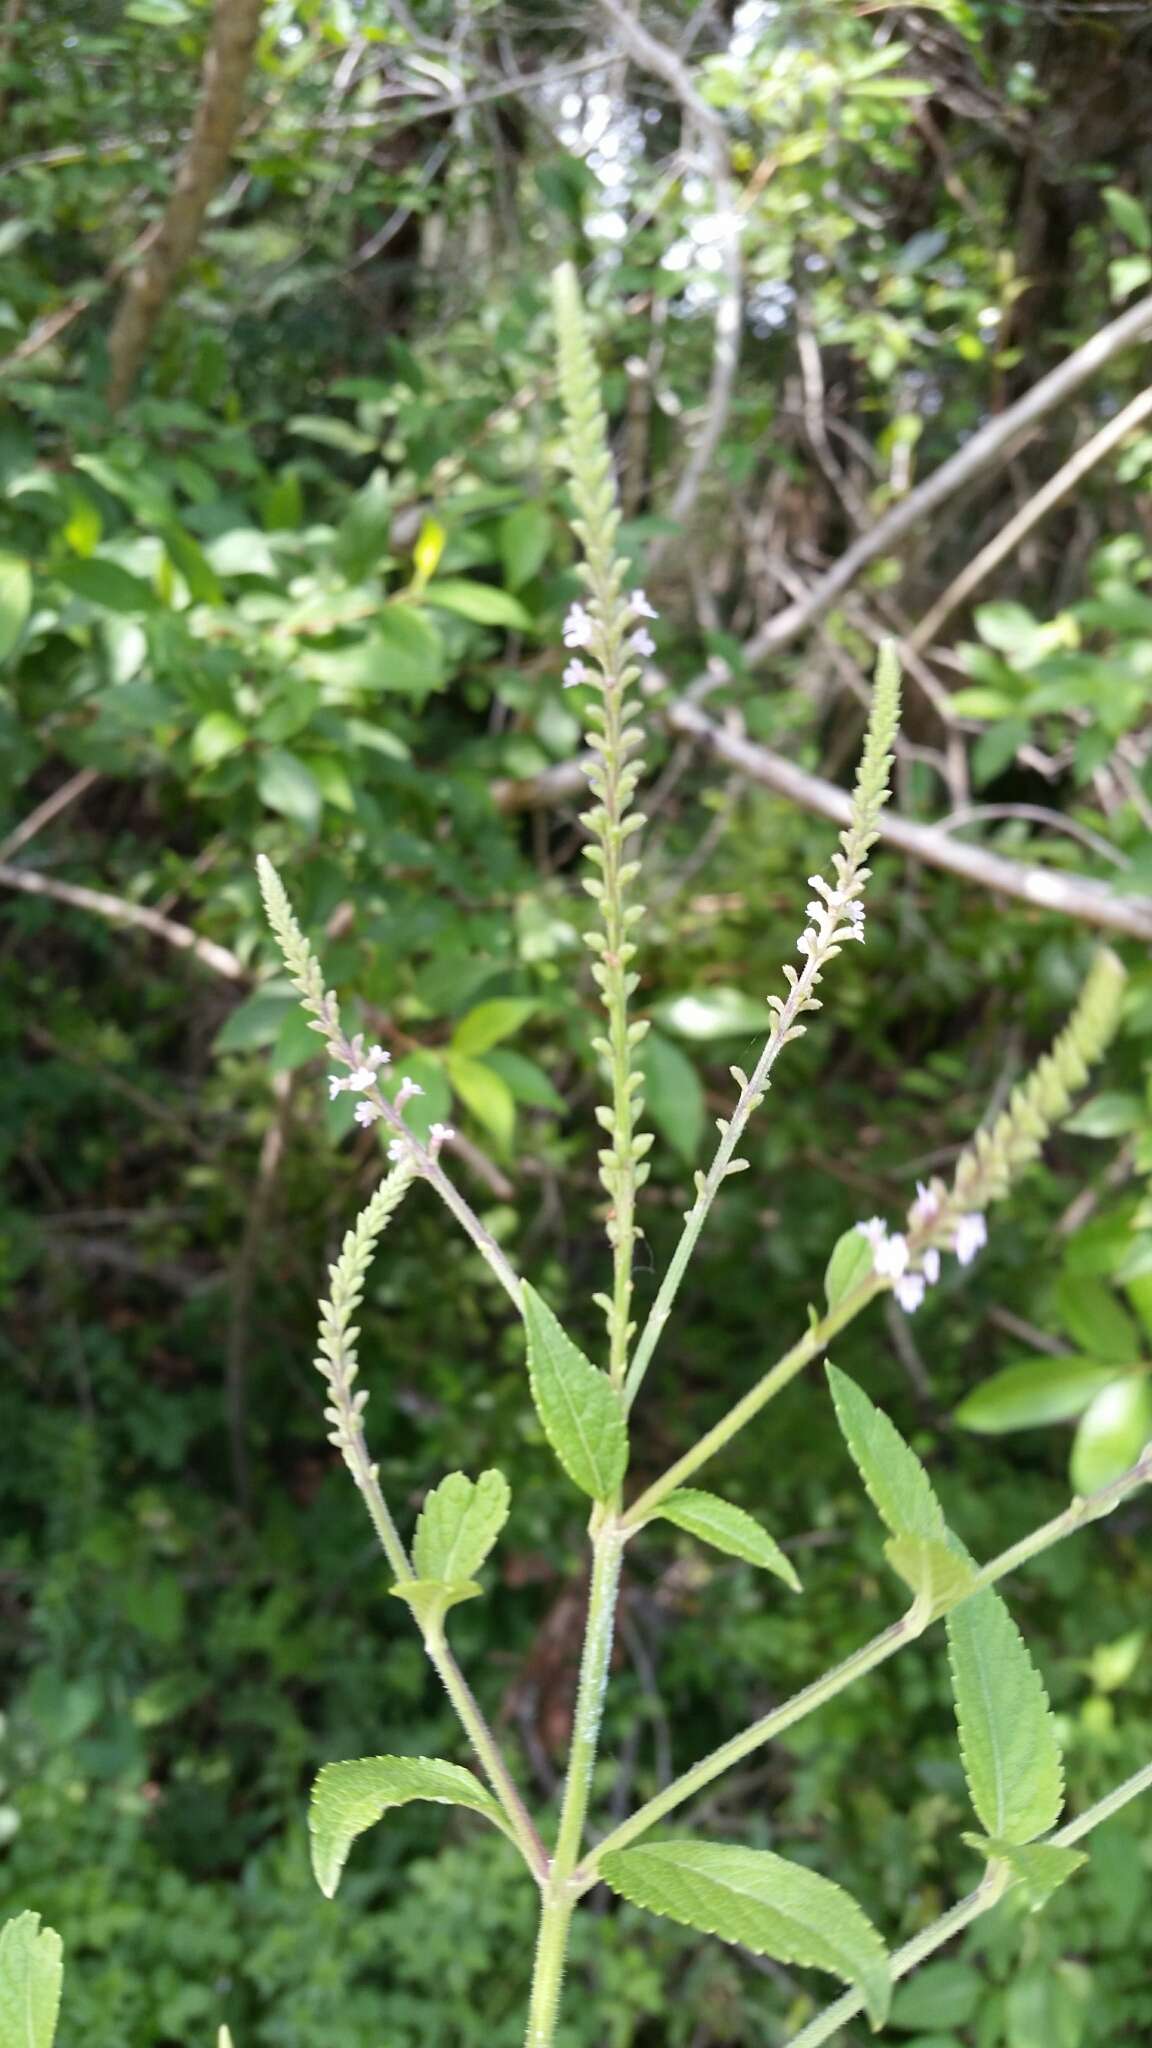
[865, 1659]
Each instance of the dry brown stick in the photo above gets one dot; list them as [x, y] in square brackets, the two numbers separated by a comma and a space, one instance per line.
[117, 910]
[1036, 508]
[985, 450]
[243, 1275]
[1087, 901]
[68, 792]
[231, 45]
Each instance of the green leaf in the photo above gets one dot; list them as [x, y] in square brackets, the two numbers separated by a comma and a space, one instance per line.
[289, 788]
[15, 601]
[1007, 1734]
[1037, 1391]
[1128, 274]
[525, 538]
[349, 1798]
[704, 1014]
[1095, 1320]
[581, 1412]
[767, 1905]
[490, 1022]
[458, 1525]
[851, 1262]
[1041, 1867]
[897, 1484]
[1107, 1116]
[1130, 217]
[937, 1574]
[945, 1994]
[528, 1082]
[216, 736]
[480, 602]
[107, 585]
[31, 1976]
[430, 1599]
[256, 1022]
[332, 433]
[726, 1528]
[673, 1094]
[1138, 1288]
[1112, 1433]
[487, 1096]
[188, 557]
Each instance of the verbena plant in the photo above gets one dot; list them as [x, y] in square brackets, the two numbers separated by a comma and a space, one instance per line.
[1008, 1741]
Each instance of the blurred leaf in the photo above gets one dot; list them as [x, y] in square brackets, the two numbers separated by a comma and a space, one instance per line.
[1092, 1315]
[485, 1093]
[525, 538]
[428, 549]
[331, 433]
[1107, 1116]
[1037, 1391]
[256, 1021]
[1129, 215]
[944, 1994]
[528, 1082]
[216, 736]
[288, 787]
[1111, 1665]
[1112, 1434]
[480, 602]
[708, 1013]
[673, 1093]
[851, 1262]
[15, 601]
[107, 585]
[490, 1022]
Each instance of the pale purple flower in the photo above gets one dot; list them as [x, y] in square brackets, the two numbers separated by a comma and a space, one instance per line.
[397, 1151]
[909, 1292]
[578, 627]
[439, 1134]
[576, 672]
[407, 1089]
[641, 642]
[854, 913]
[821, 887]
[337, 1085]
[971, 1237]
[930, 1265]
[890, 1258]
[925, 1208]
[875, 1230]
[361, 1078]
[366, 1112]
[377, 1057]
[639, 606]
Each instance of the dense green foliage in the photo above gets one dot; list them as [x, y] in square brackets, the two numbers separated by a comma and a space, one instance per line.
[303, 595]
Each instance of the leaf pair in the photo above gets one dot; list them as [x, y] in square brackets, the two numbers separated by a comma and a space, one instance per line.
[458, 1525]
[1007, 1733]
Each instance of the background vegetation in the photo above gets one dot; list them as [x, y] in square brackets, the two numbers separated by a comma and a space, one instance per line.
[291, 578]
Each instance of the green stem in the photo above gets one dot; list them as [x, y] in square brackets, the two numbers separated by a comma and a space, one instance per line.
[996, 1883]
[811, 1343]
[871, 1654]
[561, 1893]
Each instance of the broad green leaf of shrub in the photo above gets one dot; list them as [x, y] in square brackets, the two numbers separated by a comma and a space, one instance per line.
[946, 1994]
[525, 538]
[580, 1410]
[760, 1901]
[1095, 1320]
[216, 736]
[1007, 1733]
[289, 788]
[1041, 1867]
[482, 603]
[1037, 1391]
[485, 1093]
[528, 1081]
[15, 601]
[897, 1484]
[107, 586]
[1112, 1433]
[673, 1094]
[458, 1525]
[31, 1976]
[489, 1023]
[851, 1262]
[349, 1798]
[726, 1528]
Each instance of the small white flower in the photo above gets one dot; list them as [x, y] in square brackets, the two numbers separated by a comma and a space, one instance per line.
[909, 1292]
[576, 672]
[930, 1265]
[397, 1151]
[875, 1230]
[407, 1089]
[806, 941]
[578, 627]
[639, 606]
[377, 1057]
[361, 1078]
[854, 913]
[337, 1084]
[366, 1112]
[891, 1257]
[439, 1134]
[925, 1208]
[641, 642]
[821, 887]
[971, 1237]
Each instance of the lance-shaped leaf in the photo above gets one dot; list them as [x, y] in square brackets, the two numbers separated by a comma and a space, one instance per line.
[850, 1263]
[581, 1411]
[937, 1574]
[1007, 1734]
[31, 1974]
[349, 1798]
[1041, 1867]
[458, 1525]
[765, 1904]
[898, 1486]
[726, 1528]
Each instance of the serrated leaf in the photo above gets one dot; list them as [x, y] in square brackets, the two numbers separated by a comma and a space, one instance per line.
[1037, 1391]
[430, 1599]
[31, 1975]
[1112, 1433]
[1007, 1733]
[897, 1484]
[580, 1410]
[851, 1262]
[937, 1574]
[767, 1905]
[458, 1525]
[726, 1528]
[1041, 1867]
[349, 1798]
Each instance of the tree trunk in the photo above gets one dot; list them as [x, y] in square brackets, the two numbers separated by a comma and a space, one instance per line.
[235, 27]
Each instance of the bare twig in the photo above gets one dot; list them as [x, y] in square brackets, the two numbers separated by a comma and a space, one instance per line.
[68, 793]
[1035, 814]
[117, 910]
